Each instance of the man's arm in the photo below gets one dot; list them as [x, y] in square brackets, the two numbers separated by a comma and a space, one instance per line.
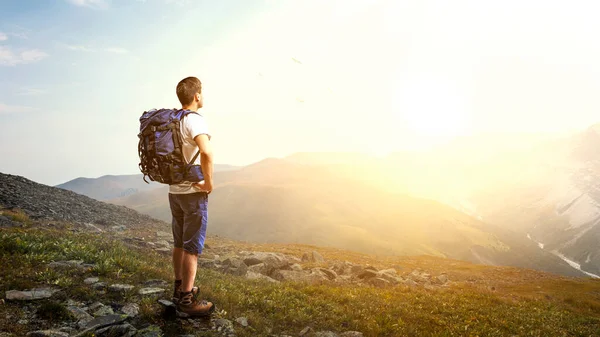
[206, 161]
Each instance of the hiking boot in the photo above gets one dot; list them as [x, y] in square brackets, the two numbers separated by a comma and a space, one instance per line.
[190, 305]
[177, 292]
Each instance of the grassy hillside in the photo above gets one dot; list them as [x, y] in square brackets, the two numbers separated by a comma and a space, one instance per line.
[481, 301]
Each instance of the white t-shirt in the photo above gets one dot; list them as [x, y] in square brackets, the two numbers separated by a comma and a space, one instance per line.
[191, 126]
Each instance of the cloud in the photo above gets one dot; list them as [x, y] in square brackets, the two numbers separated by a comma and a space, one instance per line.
[10, 58]
[3, 36]
[79, 48]
[93, 4]
[26, 91]
[13, 109]
[116, 50]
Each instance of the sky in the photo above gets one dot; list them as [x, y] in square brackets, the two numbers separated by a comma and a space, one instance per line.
[281, 77]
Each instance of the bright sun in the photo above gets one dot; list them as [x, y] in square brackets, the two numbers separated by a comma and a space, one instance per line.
[432, 109]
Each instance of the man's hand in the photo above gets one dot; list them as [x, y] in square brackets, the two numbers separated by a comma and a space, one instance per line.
[203, 186]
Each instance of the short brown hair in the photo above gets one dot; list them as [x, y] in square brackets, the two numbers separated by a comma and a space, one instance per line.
[187, 88]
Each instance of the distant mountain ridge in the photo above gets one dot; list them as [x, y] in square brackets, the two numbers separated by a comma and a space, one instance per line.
[115, 186]
[281, 201]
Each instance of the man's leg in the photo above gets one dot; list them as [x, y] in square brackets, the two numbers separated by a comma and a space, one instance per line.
[177, 228]
[194, 234]
[190, 265]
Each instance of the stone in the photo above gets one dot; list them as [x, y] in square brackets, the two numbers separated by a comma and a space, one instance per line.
[23, 322]
[163, 250]
[207, 263]
[118, 228]
[367, 274]
[234, 266]
[224, 326]
[131, 309]
[331, 275]
[313, 256]
[272, 261]
[79, 314]
[104, 310]
[103, 321]
[95, 306]
[342, 268]
[65, 264]
[256, 276]
[390, 271]
[305, 331]
[47, 333]
[260, 268]
[30, 295]
[410, 283]
[163, 243]
[169, 307]
[379, 282]
[150, 291]
[99, 286]
[371, 268]
[164, 235]
[351, 334]
[296, 267]
[300, 276]
[156, 283]
[243, 321]
[120, 288]
[122, 330]
[91, 280]
[325, 334]
[443, 279]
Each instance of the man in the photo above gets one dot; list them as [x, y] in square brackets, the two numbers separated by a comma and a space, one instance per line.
[189, 202]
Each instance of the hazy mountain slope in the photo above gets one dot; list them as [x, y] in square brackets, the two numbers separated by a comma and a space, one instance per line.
[115, 186]
[280, 201]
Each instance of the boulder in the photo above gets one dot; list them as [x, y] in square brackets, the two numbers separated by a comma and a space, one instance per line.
[272, 261]
[367, 274]
[379, 282]
[256, 276]
[330, 274]
[234, 266]
[131, 309]
[313, 256]
[30, 295]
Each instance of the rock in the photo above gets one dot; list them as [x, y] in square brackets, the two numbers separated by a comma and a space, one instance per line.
[343, 268]
[256, 276]
[65, 264]
[313, 257]
[296, 267]
[23, 322]
[410, 283]
[325, 334]
[156, 283]
[351, 334]
[389, 276]
[151, 331]
[243, 321]
[47, 333]
[80, 315]
[367, 274]
[260, 268]
[224, 326]
[272, 261]
[103, 321]
[118, 228]
[207, 263]
[103, 311]
[443, 279]
[91, 280]
[99, 286]
[234, 266]
[390, 271]
[300, 276]
[150, 291]
[95, 306]
[120, 288]
[122, 330]
[131, 309]
[164, 235]
[30, 295]
[169, 307]
[379, 282]
[163, 250]
[163, 243]
[330, 274]
[305, 331]
[371, 268]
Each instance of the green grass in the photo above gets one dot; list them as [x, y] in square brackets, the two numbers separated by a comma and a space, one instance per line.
[460, 310]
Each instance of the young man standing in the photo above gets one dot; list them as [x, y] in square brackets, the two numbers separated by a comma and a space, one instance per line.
[189, 202]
